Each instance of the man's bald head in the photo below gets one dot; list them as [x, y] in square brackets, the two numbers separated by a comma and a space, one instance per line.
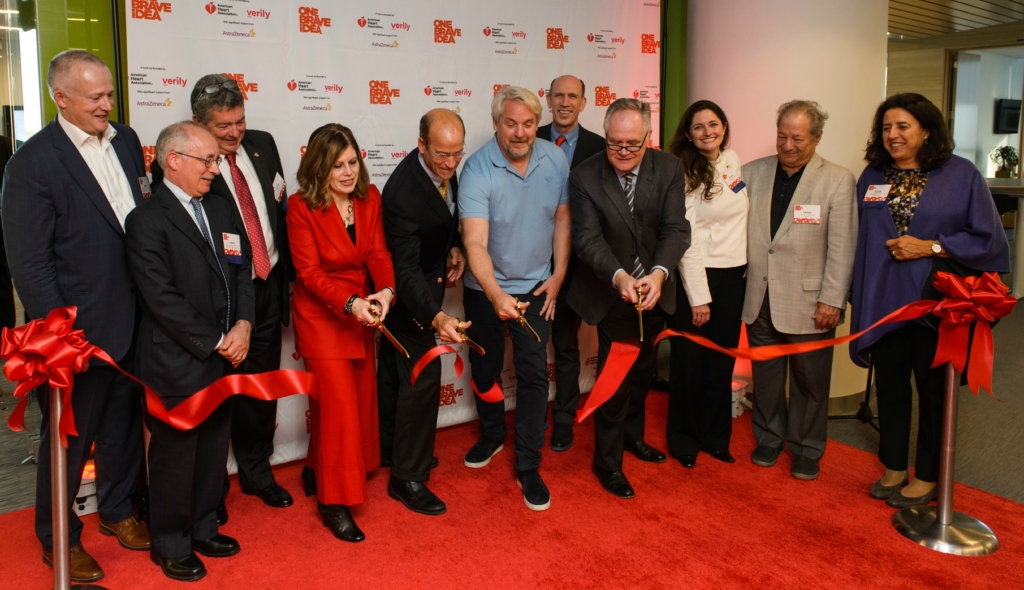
[442, 141]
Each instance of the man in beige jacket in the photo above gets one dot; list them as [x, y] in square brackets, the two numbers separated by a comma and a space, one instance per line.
[801, 237]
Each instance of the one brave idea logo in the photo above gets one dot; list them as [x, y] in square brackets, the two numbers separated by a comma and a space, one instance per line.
[381, 93]
[311, 22]
[149, 9]
[445, 32]
[556, 40]
[648, 44]
[245, 87]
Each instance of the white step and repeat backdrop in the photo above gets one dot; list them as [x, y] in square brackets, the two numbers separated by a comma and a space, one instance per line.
[376, 67]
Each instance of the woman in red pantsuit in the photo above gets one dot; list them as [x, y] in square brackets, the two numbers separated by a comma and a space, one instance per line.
[336, 235]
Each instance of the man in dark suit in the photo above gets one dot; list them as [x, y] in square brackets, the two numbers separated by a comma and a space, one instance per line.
[251, 182]
[630, 230]
[421, 222]
[66, 194]
[566, 100]
[198, 310]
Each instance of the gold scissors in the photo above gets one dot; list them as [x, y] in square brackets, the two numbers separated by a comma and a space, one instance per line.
[640, 309]
[387, 333]
[465, 339]
[524, 323]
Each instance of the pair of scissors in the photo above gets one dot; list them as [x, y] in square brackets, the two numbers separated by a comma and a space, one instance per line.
[387, 333]
[465, 339]
[524, 323]
[640, 309]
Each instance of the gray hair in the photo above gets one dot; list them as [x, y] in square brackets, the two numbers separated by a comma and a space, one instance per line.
[204, 104]
[66, 62]
[176, 137]
[629, 104]
[806, 107]
[517, 93]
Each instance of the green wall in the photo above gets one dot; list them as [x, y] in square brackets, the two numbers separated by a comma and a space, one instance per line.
[673, 44]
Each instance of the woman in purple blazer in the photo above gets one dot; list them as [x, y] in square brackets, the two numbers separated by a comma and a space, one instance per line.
[922, 210]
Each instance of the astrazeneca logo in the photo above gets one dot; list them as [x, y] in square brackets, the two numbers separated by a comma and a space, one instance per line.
[310, 21]
[381, 93]
[154, 103]
[246, 88]
[498, 87]
[444, 32]
[648, 44]
[603, 96]
[556, 40]
[149, 9]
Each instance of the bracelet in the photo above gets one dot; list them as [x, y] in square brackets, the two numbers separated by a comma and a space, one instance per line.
[392, 293]
[348, 304]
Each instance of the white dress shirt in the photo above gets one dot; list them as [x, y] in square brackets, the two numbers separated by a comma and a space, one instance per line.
[437, 183]
[718, 229]
[102, 160]
[256, 189]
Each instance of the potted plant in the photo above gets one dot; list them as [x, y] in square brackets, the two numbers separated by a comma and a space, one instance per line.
[1006, 158]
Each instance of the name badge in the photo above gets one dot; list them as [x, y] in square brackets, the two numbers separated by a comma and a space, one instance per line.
[232, 248]
[144, 185]
[279, 187]
[877, 193]
[734, 182]
[807, 214]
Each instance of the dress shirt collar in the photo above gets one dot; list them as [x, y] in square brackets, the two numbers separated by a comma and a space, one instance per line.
[79, 137]
[499, 159]
[182, 196]
[635, 171]
[433, 177]
[570, 137]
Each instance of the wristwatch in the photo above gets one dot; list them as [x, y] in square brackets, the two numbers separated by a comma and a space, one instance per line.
[936, 248]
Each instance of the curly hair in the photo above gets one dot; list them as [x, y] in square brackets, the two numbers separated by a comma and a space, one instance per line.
[936, 149]
[699, 170]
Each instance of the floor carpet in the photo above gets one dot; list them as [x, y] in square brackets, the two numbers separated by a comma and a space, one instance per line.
[716, 526]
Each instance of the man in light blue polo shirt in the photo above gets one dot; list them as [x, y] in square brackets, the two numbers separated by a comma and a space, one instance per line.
[514, 207]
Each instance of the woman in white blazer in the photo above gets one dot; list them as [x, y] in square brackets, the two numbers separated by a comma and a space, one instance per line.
[710, 303]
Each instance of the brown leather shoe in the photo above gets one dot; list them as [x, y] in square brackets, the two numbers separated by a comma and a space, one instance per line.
[130, 532]
[83, 567]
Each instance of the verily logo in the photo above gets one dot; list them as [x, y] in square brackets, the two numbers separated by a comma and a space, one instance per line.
[400, 26]
[333, 88]
[487, 31]
[246, 88]
[556, 40]
[398, 155]
[381, 93]
[520, 35]
[264, 14]
[211, 8]
[603, 96]
[445, 32]
[310, 21]
[179, 81]
[464, 92]
[361, 22]
[619, 40]
[292, 85]
[149, 9]
[648, 44]
[498, 87]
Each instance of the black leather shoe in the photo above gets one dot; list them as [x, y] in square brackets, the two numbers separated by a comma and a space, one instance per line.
[217, 546]
[561, 437]
[416, 497]
[804, 468]
[222, 514]
[338, 518]
[688, 461]
[765, 455]
[184, 569]
[645, 452]
[272, 495]
[614, 482]
[723, 456]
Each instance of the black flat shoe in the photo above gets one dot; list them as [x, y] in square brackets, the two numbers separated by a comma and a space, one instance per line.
[416, 497]
[614, 482]
[880, 492]
[217, 546]
[184, 569]
[645, 452]
[309, 481]
[338, 518]
[898, 500]
[723, 456]
[222, 513]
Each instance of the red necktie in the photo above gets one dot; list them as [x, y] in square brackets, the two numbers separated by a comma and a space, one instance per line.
[260, 258]
[560, 140]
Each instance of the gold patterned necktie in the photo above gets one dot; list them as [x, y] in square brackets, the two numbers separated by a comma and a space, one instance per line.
[444, 190]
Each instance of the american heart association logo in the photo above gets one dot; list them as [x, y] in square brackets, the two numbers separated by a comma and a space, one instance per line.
[292, 85]
[362, 21]
[487, 31]
[797, 208]
[428, 91]
[211, 8]
[540, 93]
[363, 153]
[590, 37]
[636, 94]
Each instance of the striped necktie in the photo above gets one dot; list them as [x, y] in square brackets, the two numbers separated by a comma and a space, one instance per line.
[638, 269]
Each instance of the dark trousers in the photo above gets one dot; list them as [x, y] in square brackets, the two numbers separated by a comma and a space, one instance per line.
[621, 419]
[530, 359]
[108, 412]
[186, 473]
[254, 421]
[910, 348]
[565, 329]
[700, 379]
[802, 421]
[407, 412]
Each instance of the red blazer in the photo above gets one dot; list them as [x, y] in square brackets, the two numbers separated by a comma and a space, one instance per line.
[329, 269]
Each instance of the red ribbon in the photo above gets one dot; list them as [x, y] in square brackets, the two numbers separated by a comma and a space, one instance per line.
[50, 352]
[432, 354]
[620, 360]
[494, 394]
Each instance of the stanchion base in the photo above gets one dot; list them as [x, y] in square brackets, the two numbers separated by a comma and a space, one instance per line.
[966, 536]
[86, 587]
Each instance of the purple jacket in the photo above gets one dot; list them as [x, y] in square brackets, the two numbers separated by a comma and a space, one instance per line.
[955, 208]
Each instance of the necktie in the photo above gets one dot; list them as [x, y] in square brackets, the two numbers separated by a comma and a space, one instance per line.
[443, 189]
[560, 140]
[260, 258]
[197, 211]
[638, 269]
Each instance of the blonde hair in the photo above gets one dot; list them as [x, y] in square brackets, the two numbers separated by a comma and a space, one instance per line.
[517, 93]
[323, 149]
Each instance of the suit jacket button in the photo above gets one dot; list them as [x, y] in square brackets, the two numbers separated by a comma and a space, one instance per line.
[771, 251]
[766, 279]
[439, 279]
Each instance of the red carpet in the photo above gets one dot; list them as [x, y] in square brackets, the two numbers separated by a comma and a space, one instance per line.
[717, 526]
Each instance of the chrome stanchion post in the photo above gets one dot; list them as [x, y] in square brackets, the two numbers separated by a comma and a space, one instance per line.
[942, 528]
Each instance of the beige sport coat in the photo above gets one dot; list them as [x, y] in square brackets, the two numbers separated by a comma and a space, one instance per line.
[806, 263]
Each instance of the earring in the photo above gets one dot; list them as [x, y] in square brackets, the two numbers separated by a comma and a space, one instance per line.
[926, 141]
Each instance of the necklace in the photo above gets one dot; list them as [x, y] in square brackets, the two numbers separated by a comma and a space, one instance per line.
[349, 216]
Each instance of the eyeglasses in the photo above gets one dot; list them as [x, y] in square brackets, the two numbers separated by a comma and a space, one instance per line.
[215, 88]
[629, 148]
[442, 156]
[206, 161]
